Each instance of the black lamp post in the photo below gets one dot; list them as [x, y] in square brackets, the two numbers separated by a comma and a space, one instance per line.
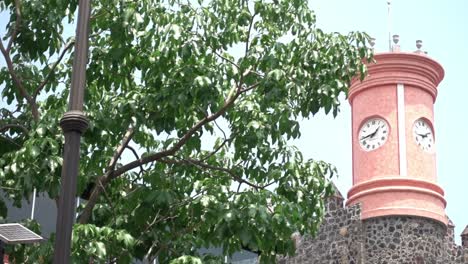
[73, 124]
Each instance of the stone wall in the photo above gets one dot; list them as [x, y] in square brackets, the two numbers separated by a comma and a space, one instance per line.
[455, 253]
[339, 239]
[404, 239]
[344, 239]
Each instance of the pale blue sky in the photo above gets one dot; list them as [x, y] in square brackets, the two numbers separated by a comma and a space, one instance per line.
[442, 27]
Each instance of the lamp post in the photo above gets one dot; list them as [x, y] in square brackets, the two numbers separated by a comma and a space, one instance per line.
[73, 124]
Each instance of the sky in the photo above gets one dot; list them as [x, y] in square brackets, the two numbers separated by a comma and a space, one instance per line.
[441, 25]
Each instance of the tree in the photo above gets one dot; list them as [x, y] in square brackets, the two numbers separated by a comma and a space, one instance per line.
[204, 94]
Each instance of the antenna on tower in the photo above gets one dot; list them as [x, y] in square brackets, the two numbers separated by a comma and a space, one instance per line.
[389, 26]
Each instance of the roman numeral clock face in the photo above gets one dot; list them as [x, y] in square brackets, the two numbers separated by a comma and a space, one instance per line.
[373, 134]
[423, 135]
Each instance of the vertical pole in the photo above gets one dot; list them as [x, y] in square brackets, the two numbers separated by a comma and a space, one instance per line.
[73, 124]
[2, 253]
[77, 205]
[33, 207]
[389, 24]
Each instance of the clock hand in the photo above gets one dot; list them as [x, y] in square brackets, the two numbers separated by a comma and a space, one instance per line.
[375, 132]
[366, 137]
[424, 135]
[371, 135]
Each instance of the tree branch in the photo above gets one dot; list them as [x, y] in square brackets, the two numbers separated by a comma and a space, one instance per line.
[102, 181]
[136, 156]
[44, 82]
[253, 86]
[216, 149]
[226, 59]
[10, 140]
[211, 167]
[112, 208]
[112, 174]
[10, 188]
[248, 33]
[171, 151]
[118, 152]
[221, 145]
[17, 25]
[8, 126]
[18, 83]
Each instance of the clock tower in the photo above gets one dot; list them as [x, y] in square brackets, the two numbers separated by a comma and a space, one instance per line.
[395, 212]
[394, 143]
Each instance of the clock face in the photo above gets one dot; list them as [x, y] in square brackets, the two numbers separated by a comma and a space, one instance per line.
[373, 134]
[423, 135]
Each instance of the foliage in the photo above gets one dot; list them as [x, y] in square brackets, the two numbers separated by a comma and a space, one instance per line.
[186, 260]
[102, 244]
[202, 96]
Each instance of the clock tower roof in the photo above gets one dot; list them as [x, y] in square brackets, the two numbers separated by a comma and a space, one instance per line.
[336, 192]
[465, 231]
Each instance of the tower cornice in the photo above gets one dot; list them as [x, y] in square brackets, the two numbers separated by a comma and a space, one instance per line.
[411, 69]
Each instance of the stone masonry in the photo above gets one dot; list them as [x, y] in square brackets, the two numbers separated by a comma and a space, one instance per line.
[343, 238]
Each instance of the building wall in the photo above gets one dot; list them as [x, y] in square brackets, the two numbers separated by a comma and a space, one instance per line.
[339, 240]
[404, 239]
[344, 239]
[45, 212]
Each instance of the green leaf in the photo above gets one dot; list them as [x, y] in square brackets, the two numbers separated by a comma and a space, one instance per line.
[35, 151]
[100, 249]
[186, 260]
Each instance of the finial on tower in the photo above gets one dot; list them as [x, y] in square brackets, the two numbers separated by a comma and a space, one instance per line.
[396, 47]
[372, 43]
[418, 46]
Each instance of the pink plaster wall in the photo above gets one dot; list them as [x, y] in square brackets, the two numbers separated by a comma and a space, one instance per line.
[421, 164]
[380, 102]
[377, 182]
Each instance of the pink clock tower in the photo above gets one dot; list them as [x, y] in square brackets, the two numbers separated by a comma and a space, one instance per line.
[394, 145]
[395, 212]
